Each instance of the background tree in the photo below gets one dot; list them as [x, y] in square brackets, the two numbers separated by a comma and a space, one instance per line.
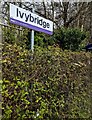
[63, 14]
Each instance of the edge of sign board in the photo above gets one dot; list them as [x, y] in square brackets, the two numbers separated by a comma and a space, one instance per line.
[14, 21]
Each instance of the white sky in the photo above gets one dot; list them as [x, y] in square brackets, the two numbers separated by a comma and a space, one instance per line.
[49, 0]
[60, 0]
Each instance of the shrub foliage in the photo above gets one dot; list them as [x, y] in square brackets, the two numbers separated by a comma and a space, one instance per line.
[47, 85]
[66, 38]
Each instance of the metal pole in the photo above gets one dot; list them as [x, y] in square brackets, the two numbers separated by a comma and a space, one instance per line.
[32, 35]
[32, 40]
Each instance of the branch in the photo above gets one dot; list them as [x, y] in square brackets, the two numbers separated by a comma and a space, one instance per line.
[75, 16]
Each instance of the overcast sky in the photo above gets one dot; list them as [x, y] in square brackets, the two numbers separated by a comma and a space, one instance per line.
[48, 0]
[58, 0]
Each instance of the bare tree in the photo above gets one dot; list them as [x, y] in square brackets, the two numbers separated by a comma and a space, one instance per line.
[61, 13]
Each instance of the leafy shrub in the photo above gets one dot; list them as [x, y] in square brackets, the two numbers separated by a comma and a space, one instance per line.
[65, 38]
[47, 85]
[16, 35]
[69, 39]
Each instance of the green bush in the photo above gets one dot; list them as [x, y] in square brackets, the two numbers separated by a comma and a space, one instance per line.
[66, 38]
[70, 39]
[16, 35]
[47, 85]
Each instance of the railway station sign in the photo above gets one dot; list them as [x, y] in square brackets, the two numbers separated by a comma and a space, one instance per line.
[25, 18]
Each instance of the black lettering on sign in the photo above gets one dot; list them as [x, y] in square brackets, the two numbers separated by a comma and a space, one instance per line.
[29, 17]
[40, 22]
[26, 16]
[48, 25]
[19, 13]
[44, 24]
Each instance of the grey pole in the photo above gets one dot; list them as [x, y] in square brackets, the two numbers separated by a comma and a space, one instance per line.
[32, 40]
[32, 35]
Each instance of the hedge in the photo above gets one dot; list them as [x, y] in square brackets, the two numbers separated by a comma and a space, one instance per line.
[48, 85]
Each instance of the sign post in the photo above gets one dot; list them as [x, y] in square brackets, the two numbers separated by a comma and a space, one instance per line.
[25, 18]
[32, 35]
[32, 40]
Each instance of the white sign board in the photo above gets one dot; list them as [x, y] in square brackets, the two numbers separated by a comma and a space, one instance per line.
[30, 20]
